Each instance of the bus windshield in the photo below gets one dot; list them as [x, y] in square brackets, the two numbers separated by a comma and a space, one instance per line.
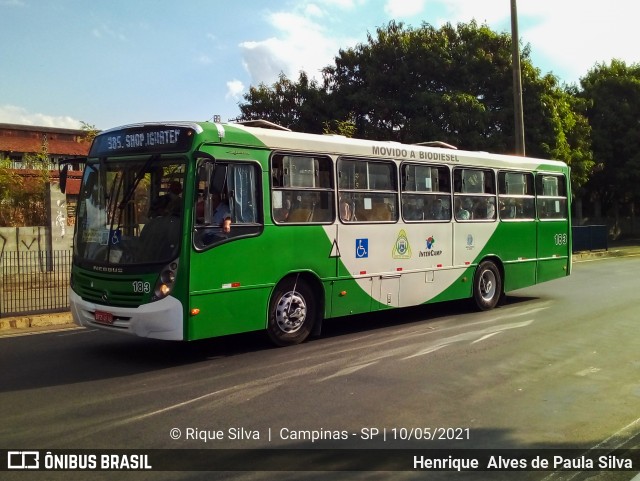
[130, 212]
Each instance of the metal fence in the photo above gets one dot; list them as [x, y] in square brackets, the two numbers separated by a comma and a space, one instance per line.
[34, 282]
[590, 238]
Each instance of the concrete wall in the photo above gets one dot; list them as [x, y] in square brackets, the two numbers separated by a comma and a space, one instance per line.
[61, 231]
[56, 236]
[14, 239]
[33, 239]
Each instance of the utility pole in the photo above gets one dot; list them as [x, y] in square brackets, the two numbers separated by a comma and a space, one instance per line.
[517, 81]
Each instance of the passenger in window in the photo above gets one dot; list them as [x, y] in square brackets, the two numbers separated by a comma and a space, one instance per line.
[221, 213]
[491, 209]
[175, 189]
[200, 210]
[527, 208]
[461, 212]
[346, 210]
[445, 212]
[159, 207]
[503, 209]
[281, 214]
[512, 209]
[161, 234]
[175, 201]
[167, 204]
[413, 209]
[438, 211]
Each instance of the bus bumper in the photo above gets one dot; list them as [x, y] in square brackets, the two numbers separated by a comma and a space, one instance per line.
[162, 319]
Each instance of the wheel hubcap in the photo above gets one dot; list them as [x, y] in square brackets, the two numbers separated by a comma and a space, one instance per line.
[488, 285]
[291, 312]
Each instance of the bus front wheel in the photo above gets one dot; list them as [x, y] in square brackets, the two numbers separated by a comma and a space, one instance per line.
[487, 286]
[292, 312]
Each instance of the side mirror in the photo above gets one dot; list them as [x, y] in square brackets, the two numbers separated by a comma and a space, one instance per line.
[64, 172]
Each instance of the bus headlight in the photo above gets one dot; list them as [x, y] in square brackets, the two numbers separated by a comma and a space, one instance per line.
[168, 276]
[166, 281]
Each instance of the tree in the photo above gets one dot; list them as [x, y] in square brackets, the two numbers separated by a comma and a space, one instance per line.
[295, 105]
[90, 131]
[21, 196]
[453, 84]
[414, 85]
[9, 180]
[22, 193]
[613, 96]
[346, 128]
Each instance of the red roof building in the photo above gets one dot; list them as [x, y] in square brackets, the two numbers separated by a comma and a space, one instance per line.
[17, 141]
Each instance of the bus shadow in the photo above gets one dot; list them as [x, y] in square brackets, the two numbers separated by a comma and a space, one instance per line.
[87, 356]
[423, 314]
[95, 355]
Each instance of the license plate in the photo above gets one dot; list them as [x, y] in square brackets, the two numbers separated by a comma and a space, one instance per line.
[103, 317]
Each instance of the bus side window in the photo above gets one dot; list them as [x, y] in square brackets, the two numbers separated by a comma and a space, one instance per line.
[242, 181]
[426, 191]
[302, 189]
[516, 196]
[237, 186]
[551, 192]
[368, 190]
[475, 197]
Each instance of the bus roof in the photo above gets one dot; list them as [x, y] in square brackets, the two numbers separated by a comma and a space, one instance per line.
[234, 133]
[266, 135]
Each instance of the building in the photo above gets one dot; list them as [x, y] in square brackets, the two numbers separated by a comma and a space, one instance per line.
[18, 141]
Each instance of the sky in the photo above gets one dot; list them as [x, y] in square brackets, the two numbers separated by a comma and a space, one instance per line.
[115, 62]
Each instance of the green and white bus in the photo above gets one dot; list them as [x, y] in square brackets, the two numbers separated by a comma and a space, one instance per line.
[322, 226]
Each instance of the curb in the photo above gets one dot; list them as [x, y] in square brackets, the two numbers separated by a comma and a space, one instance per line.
[613, 252]
[11, 325]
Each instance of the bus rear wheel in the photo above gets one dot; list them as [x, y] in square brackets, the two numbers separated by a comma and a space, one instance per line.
[487, 286]
[292, 312]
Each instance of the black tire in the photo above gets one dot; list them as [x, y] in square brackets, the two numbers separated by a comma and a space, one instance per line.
[487, 286]
[292, 312]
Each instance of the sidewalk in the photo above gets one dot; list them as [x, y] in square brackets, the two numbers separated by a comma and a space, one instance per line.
[62, 320]
[628, 248]
[35, 322]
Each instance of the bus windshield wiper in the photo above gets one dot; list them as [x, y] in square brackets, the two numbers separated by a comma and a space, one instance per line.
[136, 180]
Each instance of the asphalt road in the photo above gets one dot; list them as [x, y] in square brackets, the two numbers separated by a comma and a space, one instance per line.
[556, 367]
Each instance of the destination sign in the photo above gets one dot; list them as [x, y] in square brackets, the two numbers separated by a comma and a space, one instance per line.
[156, 139]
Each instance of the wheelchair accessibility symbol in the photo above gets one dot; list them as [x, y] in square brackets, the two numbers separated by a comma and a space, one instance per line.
[116, 236]
[362, 248]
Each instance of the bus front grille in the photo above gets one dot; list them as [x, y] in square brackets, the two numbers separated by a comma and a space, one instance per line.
[108, 293]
